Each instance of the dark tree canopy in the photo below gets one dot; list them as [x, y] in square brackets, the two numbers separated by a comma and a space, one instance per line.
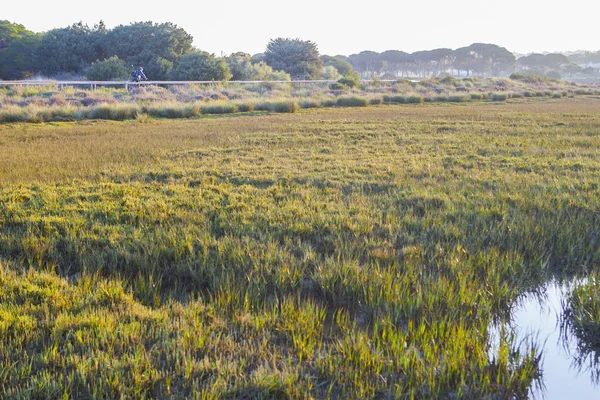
[200, 66]
[482, 58]
[239, 65]
[18, 58]
[299, 58]
[71, 49]
[107, 70]
[156, 47]
[543, 61]
[10, 31]
[366, 62]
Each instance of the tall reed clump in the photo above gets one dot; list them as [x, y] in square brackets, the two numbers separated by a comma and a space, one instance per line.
[460, 98]
[278, 106]
[219, 107]
[173, 110]
[582, 315]
[499, 96]
[352, 101]
[115, 112]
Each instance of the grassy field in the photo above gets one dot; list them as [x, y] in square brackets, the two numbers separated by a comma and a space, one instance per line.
[330, 253]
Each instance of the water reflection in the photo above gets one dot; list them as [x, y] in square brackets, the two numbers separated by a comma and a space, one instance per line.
[569, 369]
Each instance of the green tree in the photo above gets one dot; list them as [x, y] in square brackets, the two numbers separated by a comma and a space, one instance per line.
[330, 73]
[342, 66]
[17, 55]
[156, 47]
[366, 62]
[543, 62]
[484, 58]
[71, 49]
[200, 66]
[10, 31]
[397, 61]
[572, 69]
[299, 58]
[261, 71]
[240, 66]
[109, 69]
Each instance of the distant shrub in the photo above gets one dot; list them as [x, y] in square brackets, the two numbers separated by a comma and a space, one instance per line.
[499, 97]
[353, 101]
[440, 98]
[448, 80]
[554, 75]
[349, 81]
[375, 101]
[477, 96]
[529, 78]
[557, 96]
[516, 95]
[337, 86]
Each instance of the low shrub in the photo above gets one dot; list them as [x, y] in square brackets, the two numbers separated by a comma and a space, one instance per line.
[375, 101]
[477, 96]
[353, 101]
[349, 81]
[499, 97]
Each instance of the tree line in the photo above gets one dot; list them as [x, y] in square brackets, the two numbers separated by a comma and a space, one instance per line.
[166, 53]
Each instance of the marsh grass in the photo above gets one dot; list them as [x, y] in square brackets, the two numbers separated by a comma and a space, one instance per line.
[348, 253]
[40, 104]
[581, 322]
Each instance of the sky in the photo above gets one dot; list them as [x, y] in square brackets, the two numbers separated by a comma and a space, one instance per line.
[338, 27]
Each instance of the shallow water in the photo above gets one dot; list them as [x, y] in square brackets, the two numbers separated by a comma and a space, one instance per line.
[539, 317]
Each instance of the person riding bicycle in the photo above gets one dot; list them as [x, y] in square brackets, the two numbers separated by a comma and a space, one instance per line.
[138, 75]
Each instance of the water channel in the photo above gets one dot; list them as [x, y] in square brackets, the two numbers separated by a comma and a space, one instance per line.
[567, 374]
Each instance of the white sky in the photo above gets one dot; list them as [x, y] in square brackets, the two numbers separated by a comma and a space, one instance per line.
[338, 27]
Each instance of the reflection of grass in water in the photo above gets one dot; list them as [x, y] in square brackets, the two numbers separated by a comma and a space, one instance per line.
[352, 252]
[581, 321]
